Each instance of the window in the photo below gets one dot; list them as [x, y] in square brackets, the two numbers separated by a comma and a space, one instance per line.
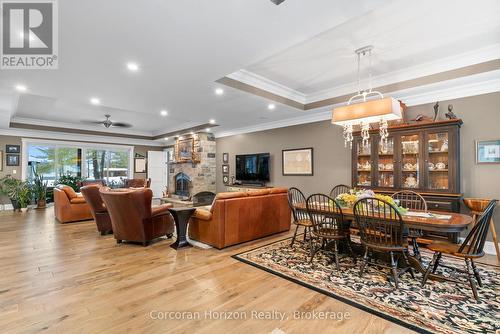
[53, 159]
[109, 165]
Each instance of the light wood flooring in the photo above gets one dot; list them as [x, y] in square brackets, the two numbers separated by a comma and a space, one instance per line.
[66, 278]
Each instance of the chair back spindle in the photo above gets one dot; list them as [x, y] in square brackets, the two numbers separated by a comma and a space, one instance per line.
[339, 189]
[325, 215]
[473, 244]
[297, 203]
[380, 224]
[410, 200]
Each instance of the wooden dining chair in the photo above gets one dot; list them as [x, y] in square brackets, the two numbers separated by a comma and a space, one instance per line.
[297, 203]
[339, 189]
[381, 229]
[328, 224]
[472, 248]
[477, 207]
[412, 201]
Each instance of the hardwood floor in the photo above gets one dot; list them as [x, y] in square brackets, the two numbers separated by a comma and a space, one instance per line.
[66, 278]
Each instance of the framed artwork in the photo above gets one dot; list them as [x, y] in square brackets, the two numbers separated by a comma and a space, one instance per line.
[13, 149]
[297, 161]
[488, 151]
[225, 158]
[140, 165]
[225, 179]
[1, 161]
[184, 150]
[225, 169]
[12, 160]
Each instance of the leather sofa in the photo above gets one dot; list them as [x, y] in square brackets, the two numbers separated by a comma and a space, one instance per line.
[70, 206]
[133, 218]
[237, 217]
[97, 208]
[137, 183]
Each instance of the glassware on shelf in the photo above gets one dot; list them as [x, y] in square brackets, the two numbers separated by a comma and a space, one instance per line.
[437, 166]
[410, 162]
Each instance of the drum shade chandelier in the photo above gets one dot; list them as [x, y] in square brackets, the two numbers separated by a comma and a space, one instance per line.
[367, 106]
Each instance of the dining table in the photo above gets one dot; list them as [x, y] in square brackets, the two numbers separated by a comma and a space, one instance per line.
[435, 221]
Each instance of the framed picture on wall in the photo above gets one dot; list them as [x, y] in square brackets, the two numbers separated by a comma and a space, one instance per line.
[184, 150]
[297, 162]
[13, 149]
[225, 169]
[140, 165]
[225, 179]
[225, 158]
[488, 151]
[12, 159]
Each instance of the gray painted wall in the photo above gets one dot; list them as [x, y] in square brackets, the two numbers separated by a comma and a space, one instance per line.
[332, 164]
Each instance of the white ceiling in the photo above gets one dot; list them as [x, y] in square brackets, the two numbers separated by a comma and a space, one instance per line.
[183, 47]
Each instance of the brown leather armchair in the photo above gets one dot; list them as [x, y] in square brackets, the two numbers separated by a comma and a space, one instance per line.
[97, 208]
[137, 183]
[132, 217]
[70, 206]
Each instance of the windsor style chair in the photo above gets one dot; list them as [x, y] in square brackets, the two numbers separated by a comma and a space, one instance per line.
[472, 248]
[381, 229]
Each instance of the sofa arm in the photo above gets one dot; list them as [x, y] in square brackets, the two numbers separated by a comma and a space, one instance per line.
[160, 210]
[202, 214]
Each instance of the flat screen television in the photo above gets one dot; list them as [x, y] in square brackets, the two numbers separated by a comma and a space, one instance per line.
[252, 168]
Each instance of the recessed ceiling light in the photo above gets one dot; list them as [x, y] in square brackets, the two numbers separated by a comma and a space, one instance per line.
[164, 113]
[191, 133]
[95, 101]
[219, 91]
[21, 88]
[180, 138]
[207, 129]
[133, 67]
[212, 121]
[271, 106]
[166, 138]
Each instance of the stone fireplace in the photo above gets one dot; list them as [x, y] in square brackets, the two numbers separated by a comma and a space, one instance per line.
[189, 178]
[182, 184]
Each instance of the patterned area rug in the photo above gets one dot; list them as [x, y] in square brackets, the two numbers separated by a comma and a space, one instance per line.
[440, 307]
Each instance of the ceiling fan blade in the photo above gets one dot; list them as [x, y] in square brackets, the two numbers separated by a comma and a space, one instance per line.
[91, 122]
[121, 125]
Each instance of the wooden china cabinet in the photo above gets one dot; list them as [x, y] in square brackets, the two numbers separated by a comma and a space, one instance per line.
[421, 157]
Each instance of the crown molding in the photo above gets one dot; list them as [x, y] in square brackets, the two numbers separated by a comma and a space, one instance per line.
[268, 85]
[477, 84]
[52, 135]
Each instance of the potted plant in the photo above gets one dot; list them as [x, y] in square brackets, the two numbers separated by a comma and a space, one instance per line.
[19, 193]
[40, 190]
[70, 180]
[8, 184]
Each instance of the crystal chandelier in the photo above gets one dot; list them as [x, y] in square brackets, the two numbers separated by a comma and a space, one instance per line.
[367, 106]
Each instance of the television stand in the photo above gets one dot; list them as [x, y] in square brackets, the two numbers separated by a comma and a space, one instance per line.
[245, 187]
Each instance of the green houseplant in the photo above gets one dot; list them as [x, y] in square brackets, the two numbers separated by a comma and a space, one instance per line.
[19, 192]
[70, 180]
[8, 186]
[39, 190]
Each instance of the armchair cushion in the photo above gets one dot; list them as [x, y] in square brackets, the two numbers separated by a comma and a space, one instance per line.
[160, 210]
[69, 191]
[77, 200]
[202, 214]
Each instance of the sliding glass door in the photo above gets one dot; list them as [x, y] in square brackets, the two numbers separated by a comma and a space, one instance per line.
[54, 159]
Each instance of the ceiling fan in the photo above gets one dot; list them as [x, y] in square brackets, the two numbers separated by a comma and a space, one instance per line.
[108, 123]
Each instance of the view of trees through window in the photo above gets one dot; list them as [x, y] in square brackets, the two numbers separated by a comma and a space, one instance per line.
[96, 164]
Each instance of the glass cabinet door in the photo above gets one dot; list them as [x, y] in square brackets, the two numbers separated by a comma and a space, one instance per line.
[438, 161]
[410, 161]
[364, 164]
[385, 168]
